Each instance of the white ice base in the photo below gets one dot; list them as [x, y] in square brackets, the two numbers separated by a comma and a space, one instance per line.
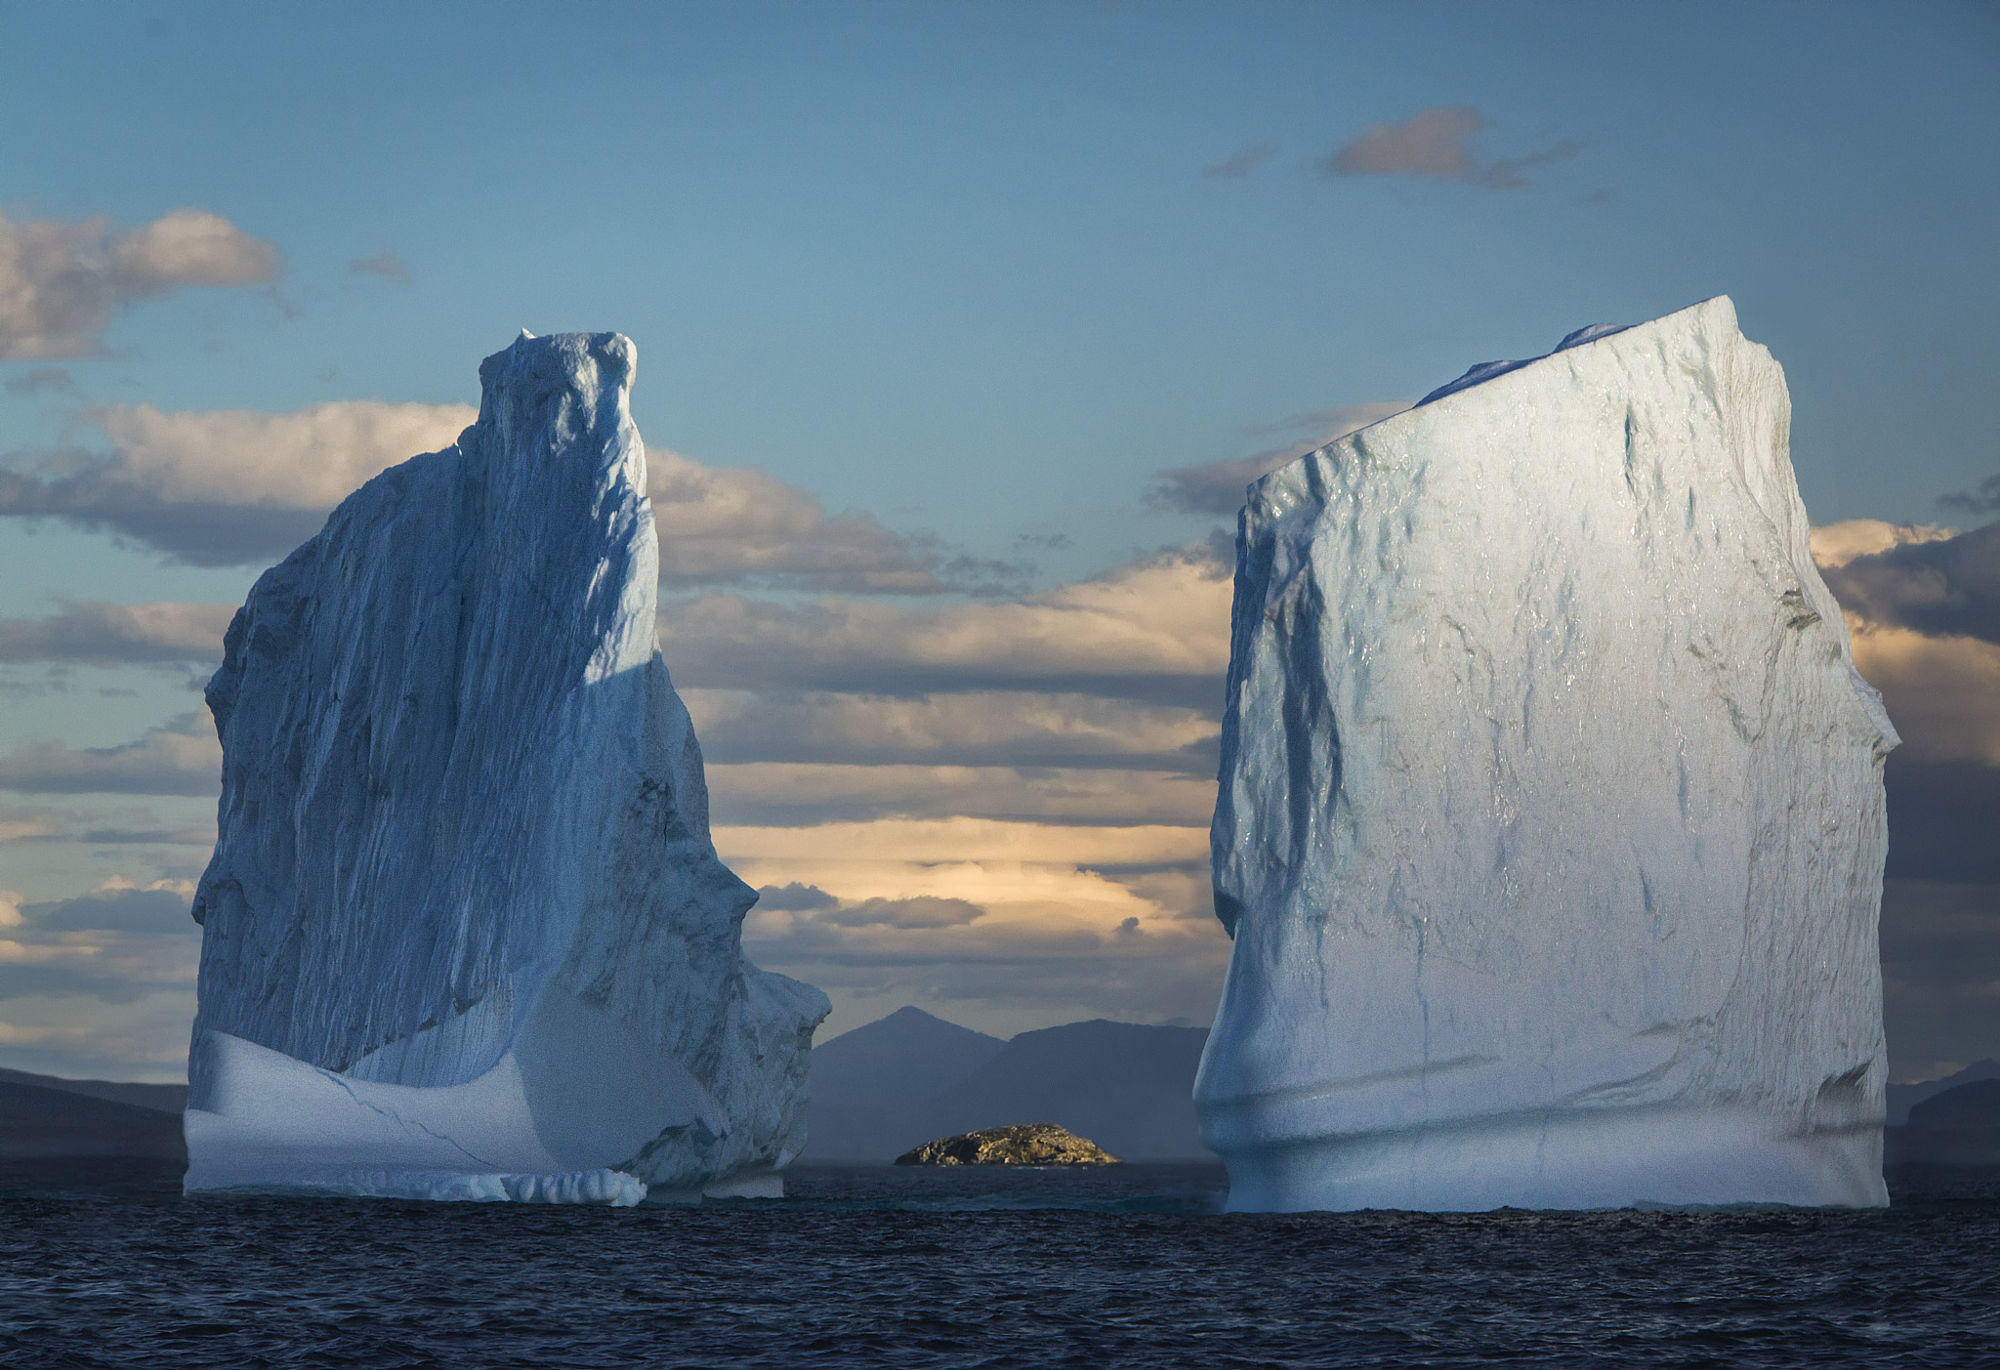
[1661, 1157]
[610, 1187]
[281, 1126]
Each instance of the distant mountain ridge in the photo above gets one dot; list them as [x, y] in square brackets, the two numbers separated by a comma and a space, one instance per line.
[912, 1077]
[162, 1098]
[1902, 1098]
[44, 1124]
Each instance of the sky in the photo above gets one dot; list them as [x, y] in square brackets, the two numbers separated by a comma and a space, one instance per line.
[960, 330]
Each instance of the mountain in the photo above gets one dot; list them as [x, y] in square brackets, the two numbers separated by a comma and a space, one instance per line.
[908, 1054]
[1903, 1097]
[909, 1078]
[868, 1090]
[164, 1098]
[43, 1124]
[1958, 1126]
[1126, 1086]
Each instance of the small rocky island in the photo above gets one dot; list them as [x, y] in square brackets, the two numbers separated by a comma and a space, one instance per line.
[1020, 1144]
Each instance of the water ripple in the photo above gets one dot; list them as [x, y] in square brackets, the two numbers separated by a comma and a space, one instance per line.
[1131, 1267]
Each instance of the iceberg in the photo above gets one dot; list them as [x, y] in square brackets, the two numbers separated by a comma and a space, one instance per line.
[1550, 824]
[465, 934]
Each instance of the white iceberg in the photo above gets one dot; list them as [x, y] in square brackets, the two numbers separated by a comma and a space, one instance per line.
[465, 934]
[1550, 828]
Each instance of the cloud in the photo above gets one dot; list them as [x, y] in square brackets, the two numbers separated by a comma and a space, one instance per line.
[179, 757]
[118, 905]
[309, 459]
[793, 896]
[105, 634]
[973, 728]
[1008, 918]
[1923, 614]
[1836, 544]
[227, 487]
[145, 1038]
[51, 378]
[1437, 142]
[1238, 164]
[1943, 693]
[915, 845]
[61, 282]
[203, 837]
[1217, 487]
[1155, 630]
[1985, 499]
[1505, 173]
[235, 487]
[722, 525]
[100, 826]
[1432, 142]
[114, 944]
[785, 793]
[385, 264]
[922, 911]
[1940, 586]
[18, 824]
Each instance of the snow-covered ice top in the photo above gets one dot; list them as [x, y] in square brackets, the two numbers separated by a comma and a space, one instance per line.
[1550, 826]
[1486, 371]
[463, 877]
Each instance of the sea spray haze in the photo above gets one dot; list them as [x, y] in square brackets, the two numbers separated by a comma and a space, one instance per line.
[465, 932]
[1550, 829]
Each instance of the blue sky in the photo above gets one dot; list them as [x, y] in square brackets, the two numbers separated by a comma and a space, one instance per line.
[963, 261]
[977, 274]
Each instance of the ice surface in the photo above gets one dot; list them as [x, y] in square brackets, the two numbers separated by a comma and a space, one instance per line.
[465, 933]
[1550, 827]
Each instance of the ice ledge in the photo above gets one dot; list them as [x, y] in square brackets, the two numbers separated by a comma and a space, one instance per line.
[1631, 1158]
[613, 1188]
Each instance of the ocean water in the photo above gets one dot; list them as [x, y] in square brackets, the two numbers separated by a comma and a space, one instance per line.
[1132, 1266]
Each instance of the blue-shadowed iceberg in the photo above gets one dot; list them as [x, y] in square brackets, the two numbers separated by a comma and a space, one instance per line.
[1550, 827]
[465, 934]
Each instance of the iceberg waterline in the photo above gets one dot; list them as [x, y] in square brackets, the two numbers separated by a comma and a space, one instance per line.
[465, 931]
[1550, 829]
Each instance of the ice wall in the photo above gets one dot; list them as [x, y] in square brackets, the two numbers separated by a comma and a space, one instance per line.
[464, 931]
[1550, 826]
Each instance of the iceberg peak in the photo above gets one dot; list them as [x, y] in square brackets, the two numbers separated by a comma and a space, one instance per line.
[464, 916]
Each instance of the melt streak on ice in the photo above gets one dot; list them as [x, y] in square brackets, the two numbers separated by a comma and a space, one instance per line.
[465, 934]
[1550, 827]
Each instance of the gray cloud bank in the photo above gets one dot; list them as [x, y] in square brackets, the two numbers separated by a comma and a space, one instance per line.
[119, 634]
[1238, 164]
[1983, 499]
[242, 487]
[61, 282]
[385, 264]
[1437, 142]
[1947, 586]
[180, 757]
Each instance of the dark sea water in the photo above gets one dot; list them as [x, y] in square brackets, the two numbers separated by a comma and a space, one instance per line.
[1124, 1267]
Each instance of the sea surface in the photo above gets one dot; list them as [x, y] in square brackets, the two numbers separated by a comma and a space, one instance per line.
[1132, 1266]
